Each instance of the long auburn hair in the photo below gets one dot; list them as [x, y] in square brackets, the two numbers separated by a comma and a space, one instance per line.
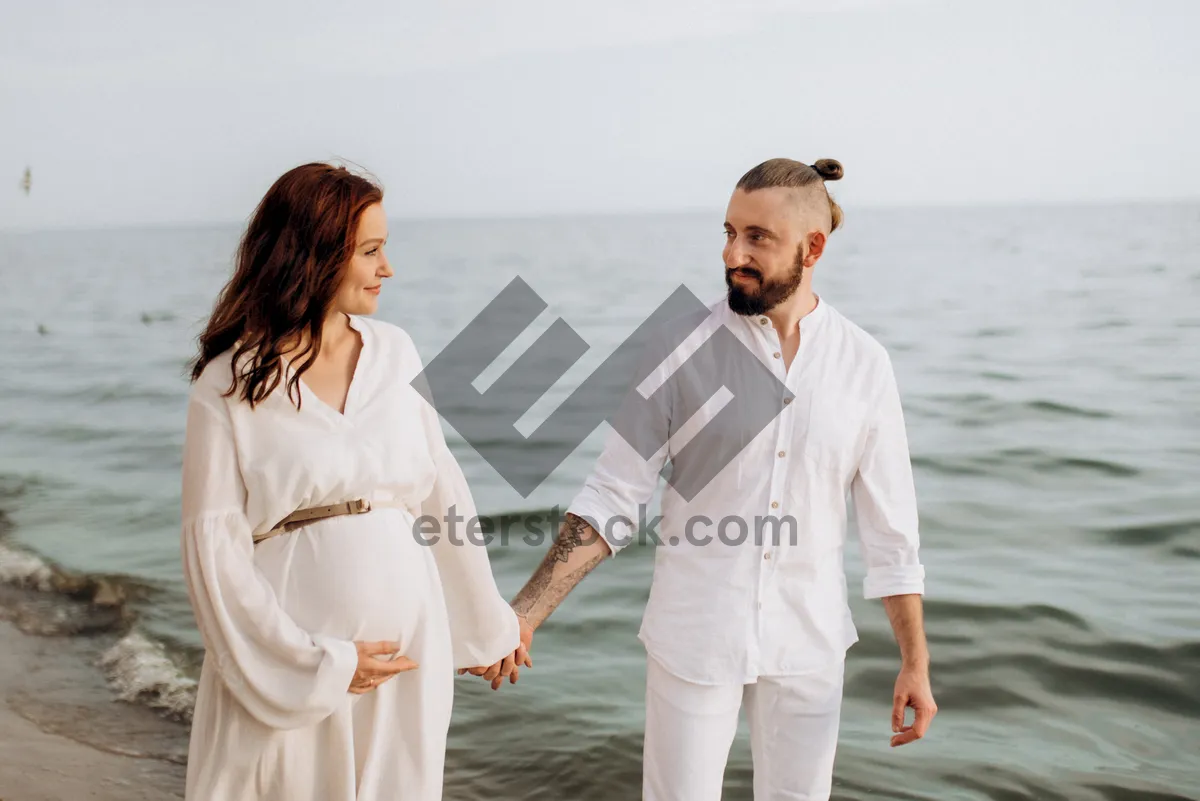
[290, 262]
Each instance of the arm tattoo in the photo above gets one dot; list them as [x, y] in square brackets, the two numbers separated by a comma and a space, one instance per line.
[570, 537]
[552, 581]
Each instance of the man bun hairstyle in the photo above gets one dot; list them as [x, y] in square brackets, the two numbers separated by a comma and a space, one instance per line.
[793, 174]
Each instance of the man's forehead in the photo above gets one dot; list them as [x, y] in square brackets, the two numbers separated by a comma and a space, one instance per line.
[775, 206]
[784, 210]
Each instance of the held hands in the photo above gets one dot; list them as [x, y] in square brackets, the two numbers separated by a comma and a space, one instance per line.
[510, 666]
[912, 689]
[374, 668]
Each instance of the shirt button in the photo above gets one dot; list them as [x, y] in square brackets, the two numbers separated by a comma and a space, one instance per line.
[776, 354]
[774, 504]
[786, 401]
[782, 454]
[762, 320]
[767, 555]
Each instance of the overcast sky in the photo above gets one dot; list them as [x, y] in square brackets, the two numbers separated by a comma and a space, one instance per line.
[142, 112]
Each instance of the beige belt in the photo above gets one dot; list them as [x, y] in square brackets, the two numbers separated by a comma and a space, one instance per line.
[358, 506]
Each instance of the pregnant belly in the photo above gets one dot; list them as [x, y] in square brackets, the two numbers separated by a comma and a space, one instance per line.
[362, 577]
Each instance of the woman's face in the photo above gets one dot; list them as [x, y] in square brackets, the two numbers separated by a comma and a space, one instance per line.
[359, 291]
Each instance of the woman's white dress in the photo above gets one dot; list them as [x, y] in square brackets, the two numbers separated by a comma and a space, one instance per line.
[274, 720]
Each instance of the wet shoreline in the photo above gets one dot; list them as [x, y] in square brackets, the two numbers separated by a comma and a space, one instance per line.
[61, 731]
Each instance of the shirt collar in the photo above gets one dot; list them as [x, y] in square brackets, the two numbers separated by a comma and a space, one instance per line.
[761, 321]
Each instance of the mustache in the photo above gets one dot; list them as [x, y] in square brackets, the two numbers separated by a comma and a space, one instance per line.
[749, 272]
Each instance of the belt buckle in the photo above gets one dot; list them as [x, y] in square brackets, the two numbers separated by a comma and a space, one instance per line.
[360, 506]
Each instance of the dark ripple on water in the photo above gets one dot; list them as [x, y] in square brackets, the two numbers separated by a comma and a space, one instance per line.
[981, 409]
[1164, 684]
[580, 769]
[1021, 463]
[1067, 409]
[1186, 552]
[1006, 785]
[1156, 533]
[121, 394]
[948, 611]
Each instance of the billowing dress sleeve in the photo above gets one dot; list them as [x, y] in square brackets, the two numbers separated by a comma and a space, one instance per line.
[483, 627]
[281, 674]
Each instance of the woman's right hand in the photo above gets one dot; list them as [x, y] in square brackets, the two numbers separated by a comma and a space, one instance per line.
[373, 669]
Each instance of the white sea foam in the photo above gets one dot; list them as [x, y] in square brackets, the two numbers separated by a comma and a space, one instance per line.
[141, 671]
[24, 569]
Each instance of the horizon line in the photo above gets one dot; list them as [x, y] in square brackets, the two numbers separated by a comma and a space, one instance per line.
[576, 215]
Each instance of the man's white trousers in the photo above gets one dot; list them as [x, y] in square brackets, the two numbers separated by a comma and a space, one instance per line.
[690, 728]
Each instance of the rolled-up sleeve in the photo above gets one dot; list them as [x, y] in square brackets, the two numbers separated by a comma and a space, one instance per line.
[620, 484]
[885, 502]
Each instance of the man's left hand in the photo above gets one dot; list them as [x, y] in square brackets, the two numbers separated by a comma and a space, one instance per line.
[510, 666]
[912, 689]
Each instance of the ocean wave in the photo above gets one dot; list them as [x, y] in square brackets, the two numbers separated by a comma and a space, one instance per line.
[13, 487]
[990, 613]
[1041, 461]
[1159, 532]
[119, 393]
[24, 569]
[982, 408]
[1008, 785]
[1052, 676]
[41, 598]
[994, 332]
[1066, 409]
[142, 671]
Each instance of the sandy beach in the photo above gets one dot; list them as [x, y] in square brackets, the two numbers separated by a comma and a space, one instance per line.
[38, 764]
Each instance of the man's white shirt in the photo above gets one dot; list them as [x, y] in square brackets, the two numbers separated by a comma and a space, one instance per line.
[749, 578]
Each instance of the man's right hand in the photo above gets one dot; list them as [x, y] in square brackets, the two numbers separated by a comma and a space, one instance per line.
[526, 644]
[520, 657]
[373, 669]
[575, 552]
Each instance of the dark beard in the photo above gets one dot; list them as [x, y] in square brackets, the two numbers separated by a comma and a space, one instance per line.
[768, 295]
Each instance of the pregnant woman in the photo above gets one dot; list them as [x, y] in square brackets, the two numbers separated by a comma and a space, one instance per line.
[332, 619]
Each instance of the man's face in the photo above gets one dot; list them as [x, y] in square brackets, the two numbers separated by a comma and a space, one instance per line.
[764, 249]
